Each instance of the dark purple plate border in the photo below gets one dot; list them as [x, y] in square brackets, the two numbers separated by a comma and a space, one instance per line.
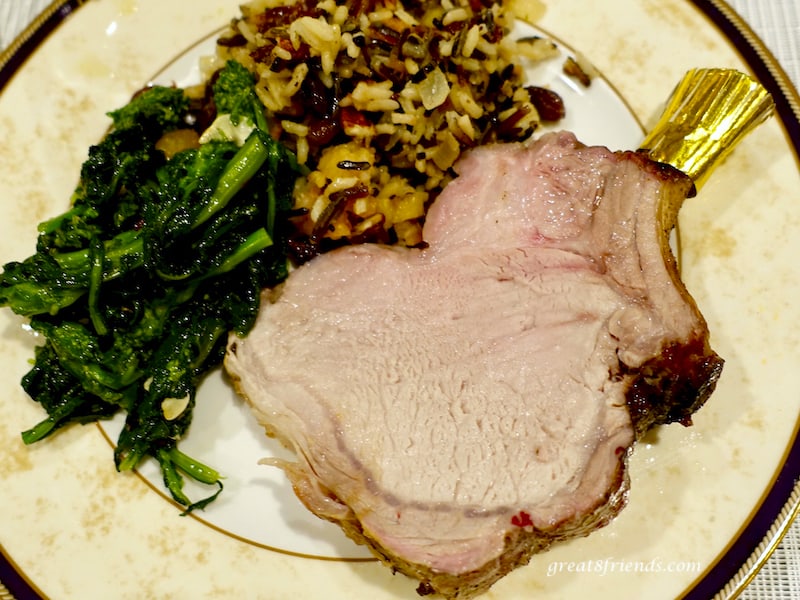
[787, 105]
[15, 583]
[25, 44]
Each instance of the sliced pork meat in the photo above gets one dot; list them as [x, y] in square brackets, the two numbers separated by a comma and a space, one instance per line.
[461, 407]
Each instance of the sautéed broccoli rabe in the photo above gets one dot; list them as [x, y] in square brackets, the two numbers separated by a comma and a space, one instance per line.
[160, 254]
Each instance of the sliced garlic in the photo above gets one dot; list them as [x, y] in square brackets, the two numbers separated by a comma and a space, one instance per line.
[172, 408]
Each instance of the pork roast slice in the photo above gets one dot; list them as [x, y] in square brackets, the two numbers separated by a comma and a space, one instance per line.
[461, 407]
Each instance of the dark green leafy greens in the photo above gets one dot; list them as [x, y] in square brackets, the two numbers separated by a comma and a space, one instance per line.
[135, 287]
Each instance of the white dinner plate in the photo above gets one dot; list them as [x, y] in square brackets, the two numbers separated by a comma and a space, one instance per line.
[704, 500]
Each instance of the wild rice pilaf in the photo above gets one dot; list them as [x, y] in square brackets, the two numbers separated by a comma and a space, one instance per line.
[380, 97]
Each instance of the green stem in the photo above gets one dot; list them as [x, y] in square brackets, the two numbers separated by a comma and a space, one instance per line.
[194, 469]
[97, 259]
[241, 168]
[255, 242]
[122, 253]
[39, 431]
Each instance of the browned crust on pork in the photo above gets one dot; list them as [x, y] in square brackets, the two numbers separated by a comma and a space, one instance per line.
[521, 544]
[672, 386]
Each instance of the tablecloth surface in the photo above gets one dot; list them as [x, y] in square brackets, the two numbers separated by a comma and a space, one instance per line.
[777, 23]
